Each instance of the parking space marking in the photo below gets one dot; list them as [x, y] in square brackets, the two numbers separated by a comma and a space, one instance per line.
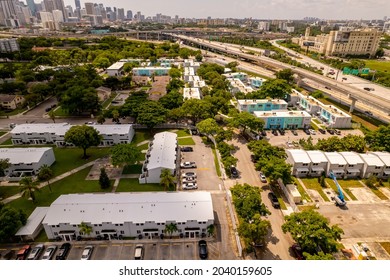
[103, 245]
[129, 245]
[203, 169]
[117, 245]
[165, 244]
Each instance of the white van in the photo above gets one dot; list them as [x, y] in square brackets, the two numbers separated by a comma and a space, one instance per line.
[139, 252]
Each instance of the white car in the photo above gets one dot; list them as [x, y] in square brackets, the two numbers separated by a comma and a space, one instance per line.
[188, 174]
[188, 164]
[49, 252]
[190, 186]
[312, 131]
[189, 180]
[87, 252]
[263, 179]
[35, 252]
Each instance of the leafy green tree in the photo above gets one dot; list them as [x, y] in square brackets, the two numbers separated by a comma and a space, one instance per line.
[317, 94]
[85, 229]
[174, 73]
[285, 74]
[100, 119]
[319, 256]
[199, 57]
[208, 126]
[175, 114]
[276, 88]
[4, 164]
[28, 187]
[312, 232]
[125, 154]
[151, 114]
[42, 90]
[170, 229]
[379, 140]
[101, 62]
[197, 109]
[83, 136]
[171, 100]
[211, 230]
[78, 99]
[276, 168]
[45, 173]
[253, 232]
[104, 181]
[167, 179]
[11, 220]
[132, 104]
[246, 120]
[52, 115]
[264, 150]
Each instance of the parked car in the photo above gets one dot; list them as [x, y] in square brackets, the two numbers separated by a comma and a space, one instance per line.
[263, 133]
[233, 171]
[49, 252]
[35, 252]
[190, 186]
[48, 109]
[87, 252]
[366, 88]
[330, 131]
[63, 251]
[338, 132]
[139, 252]
[312, 132]
[307, 131]
[188, 164]
[263, 179]
[186, 149]
[328, 88]
[297, 250]
[275, 132]
[368, 113]
[23, 252]
[322, 130]
[274, 200]
[294, 132]
[253, 158]
[188, 174]
[281, 131]
[189, 180]
[203, 252]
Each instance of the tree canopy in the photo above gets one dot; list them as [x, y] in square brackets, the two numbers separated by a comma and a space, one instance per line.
[125, 154]
[83, 136]
[379, 140]
[10, 222]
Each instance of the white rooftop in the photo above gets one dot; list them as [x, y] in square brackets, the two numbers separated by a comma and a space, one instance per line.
[191, 93]
[57, 128]
[33, 222]
[317, 156]
[335, 158]
[283, 114]
[352, 158]
[130, 207]
[372, 159]
[384, 156]
[23, 155]
[163, 152]
[117, 65]
[299, 155]
[260, 101]
[112, 128]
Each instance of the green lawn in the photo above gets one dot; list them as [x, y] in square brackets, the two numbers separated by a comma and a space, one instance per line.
[383, 66]
[141, 136]
[312, 183]
[143, 147]
[70, 158]
[7, 142]
[182, 133]
[132, 169]
[185, 141]
[13, 112]
[60, 113]
[2, 133]
[132, 185]
[302, 191]
[217, 167]
[378, 193]
[75, 183]
[7, 191]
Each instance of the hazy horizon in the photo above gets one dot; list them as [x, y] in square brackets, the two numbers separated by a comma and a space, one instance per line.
[257, 9]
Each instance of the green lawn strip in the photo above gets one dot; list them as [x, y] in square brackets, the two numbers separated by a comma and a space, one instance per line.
[13, 112]
[132, 169]
[280, 199]
[217, 167]
[7, 191]
[302, 191]
[378, 193]
[143, 147]
[185, 141]
[316, 121]
[386, 184]
[74, 183]
[42, 237]
[382, 66]
[333, 186]
[182, 133]
[132, 185]
[59, 112]
[386, 246]
[2, 133]
[312, 183]
[314, 125]
[7, 142]
[107, 102]
[70, 158]
[141, 135]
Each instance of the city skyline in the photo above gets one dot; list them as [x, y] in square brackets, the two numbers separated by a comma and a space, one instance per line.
[272, 9]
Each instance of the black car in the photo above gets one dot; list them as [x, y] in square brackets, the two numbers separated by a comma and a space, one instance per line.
[297, 250]
[366, 88]
[263, 133]
[274, 200]
[294, 132]
[187, 149]
[203, 254]
[275, 132]
[322, 130]
[234, 172]
[307, 131]
[63, 251]
[253, 158]
[281, 131]
[330, 131]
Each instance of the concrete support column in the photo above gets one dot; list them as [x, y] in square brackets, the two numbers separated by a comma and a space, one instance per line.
[352, 105]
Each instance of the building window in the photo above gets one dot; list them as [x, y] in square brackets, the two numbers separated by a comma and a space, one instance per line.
[305, 164]
[55, 233]
[122, 232]
[138, 231]
[97, 232]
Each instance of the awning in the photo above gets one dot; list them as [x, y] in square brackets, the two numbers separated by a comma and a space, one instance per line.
[338, 171]
[317, 169]
[353, 170]
[303, 169]
[386, 172]
[67, 232]
[108, 231]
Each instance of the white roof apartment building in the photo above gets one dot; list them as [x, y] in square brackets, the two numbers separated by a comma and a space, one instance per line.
[54, 133]
[162, 154]
[130, 214]
[373, 165]
[192, 93]
[355, 165]
[116, 69]
[26, 161]
[319, 163]
[300, 161]
[236, 85]
[385, 157]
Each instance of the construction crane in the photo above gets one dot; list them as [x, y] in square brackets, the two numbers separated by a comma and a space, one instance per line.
[339, 199]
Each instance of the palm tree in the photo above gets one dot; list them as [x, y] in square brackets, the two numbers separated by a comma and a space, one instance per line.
[52, 115]
[45, 174]
[166, 179]
[170, 228]
[28, 187]
[85, 229]
[211, 230]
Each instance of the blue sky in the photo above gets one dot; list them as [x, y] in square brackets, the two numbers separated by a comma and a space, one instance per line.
[258, 9]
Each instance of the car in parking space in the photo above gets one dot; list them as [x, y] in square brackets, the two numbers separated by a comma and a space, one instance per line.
[63, 251]
[312, 132]
[367, 88]
[189, 180]
[368, 113]
[186, 149]
[203, 252]
[294, 132]
[188, 164]
[49, 252]
[328, 88]
[330, 131]
[274, 200]
[139, 252]
[281, 131]
[263, 133]
[337, 132]
[87, 252]
[35, 252]
[297, 251]
[322, 131]
[275, 132]
[23, 252]
[188, 174]
[233, 171]
[307, 131]
[189, 186]
[263, 179]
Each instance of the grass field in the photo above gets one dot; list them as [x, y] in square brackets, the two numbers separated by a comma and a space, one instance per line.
[312, 183]
[132, 185]
[302, 191]
[7, 191]
[217, 167]
[143, 147]
[383, 66]
[185, 141]
[75, 183]
[182, 133]
[132, 169]
[2, 133]
[141, 135]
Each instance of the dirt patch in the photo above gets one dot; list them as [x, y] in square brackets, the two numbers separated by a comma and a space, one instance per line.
[159, 86]
[112, 172]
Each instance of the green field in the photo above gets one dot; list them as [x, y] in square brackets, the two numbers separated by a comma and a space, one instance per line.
[185, 141]
[383, 66]
[132, 185]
